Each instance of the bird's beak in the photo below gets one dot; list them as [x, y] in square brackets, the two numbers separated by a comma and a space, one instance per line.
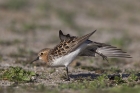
[35, 60]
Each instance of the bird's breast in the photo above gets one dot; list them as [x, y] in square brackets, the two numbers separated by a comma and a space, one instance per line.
[68, 58]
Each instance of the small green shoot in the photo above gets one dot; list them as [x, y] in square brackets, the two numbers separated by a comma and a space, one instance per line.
[119, 80]
[132, 78]
[17, 74]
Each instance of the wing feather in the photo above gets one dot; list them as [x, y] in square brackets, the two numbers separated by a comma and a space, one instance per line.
[93, 48]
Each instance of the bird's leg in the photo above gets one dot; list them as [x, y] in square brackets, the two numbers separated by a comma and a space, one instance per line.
[103, 56]
[67, 73]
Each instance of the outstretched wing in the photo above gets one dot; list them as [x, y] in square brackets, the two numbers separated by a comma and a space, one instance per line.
[101, 49]
[104, 50]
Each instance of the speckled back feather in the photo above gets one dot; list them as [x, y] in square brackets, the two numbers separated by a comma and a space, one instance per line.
[68, 45]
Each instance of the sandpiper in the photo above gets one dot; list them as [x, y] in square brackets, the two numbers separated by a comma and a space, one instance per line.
[71, 46]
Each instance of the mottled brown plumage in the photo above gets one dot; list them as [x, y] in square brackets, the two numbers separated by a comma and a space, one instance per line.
[68, 45]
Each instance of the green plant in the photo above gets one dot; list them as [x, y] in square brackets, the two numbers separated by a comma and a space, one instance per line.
[119, 80]
[99, 82]
[17, 74]
[132, 78]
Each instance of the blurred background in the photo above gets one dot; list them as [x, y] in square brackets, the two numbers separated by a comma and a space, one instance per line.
[27, 26]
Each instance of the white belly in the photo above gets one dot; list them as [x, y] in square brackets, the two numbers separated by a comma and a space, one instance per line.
[67, 59]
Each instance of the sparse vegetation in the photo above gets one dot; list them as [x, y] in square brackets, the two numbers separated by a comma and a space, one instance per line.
[17, 74]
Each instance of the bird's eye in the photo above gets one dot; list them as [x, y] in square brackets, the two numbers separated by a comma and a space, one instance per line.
[41, 53]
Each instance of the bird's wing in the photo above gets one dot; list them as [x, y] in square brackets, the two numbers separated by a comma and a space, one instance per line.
[104, 50]
[109, 51]
[101, 49]
[69, 45]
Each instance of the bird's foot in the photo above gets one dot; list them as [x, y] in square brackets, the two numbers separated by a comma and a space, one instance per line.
[103, 56]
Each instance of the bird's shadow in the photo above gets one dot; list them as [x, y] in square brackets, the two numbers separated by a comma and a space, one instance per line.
[94, 75]
[84, 75]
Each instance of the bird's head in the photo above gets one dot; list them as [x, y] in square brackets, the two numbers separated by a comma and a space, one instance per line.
[42, 55]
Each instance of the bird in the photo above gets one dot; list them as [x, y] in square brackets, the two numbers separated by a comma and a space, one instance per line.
[71, 47]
